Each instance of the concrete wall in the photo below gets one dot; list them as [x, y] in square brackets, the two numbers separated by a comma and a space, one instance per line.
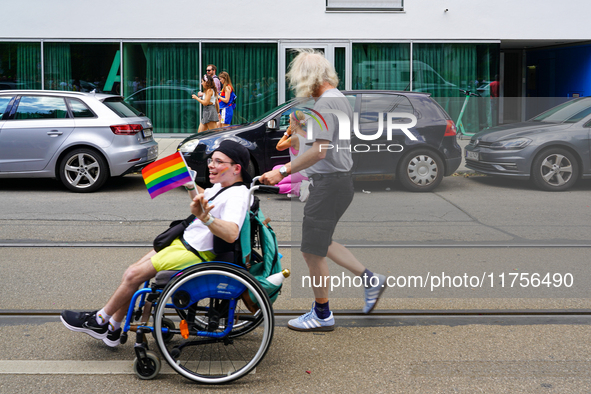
[302, 19]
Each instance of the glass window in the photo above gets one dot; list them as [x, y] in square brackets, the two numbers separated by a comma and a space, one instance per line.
[36, 107]
[253, 71]
[82, 67]
[4, 103]
[270, 111]
[20, 65]
[381, 66]
[445, 69]
[284, 121]
[159, 81]
[339, 65]
[374, 104]
[121, 108]
[360, 5]
[569, 112]
[79, 109]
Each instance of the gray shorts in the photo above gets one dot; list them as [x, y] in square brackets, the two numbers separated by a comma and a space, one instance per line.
[329, 199]
[209, 114]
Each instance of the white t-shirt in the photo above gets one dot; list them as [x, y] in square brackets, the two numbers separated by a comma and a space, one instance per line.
[230, 205]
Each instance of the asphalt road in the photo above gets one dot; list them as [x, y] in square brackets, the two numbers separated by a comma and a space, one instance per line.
[62, 250]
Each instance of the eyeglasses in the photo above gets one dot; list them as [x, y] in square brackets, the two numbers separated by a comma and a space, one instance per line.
[218, 162]
[209, 69]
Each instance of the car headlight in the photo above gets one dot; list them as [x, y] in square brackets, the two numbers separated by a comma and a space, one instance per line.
[189, 146]
[517, 143]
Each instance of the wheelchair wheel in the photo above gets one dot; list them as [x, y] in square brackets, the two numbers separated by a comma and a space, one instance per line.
[220, 344]
[151, 368]
[244, 320]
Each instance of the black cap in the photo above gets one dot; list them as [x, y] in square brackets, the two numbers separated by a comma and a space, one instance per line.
[239, 155]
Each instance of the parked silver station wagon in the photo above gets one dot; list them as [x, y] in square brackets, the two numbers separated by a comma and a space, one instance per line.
[79, 138]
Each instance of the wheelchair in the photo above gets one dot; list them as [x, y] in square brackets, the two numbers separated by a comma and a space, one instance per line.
[212, 322]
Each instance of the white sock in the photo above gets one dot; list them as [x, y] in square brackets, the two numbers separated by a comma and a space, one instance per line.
[114, 325]
[102, 318]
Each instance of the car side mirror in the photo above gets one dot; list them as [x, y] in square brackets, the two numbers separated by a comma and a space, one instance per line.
[272, 124]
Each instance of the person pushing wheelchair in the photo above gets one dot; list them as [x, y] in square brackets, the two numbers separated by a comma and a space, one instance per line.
[220, 211]
[331, 189]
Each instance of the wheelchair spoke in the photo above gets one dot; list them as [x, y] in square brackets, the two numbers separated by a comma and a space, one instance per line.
[223, 349]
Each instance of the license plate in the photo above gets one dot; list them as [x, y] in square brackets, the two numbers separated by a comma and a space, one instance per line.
[147, 133]
[472, 155]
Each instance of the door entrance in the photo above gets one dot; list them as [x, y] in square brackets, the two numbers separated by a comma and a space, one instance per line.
[336, 53]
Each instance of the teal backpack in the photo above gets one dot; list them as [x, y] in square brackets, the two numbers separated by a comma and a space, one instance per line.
[260, 252]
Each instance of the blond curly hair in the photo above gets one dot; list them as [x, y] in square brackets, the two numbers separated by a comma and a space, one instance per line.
[308, 71]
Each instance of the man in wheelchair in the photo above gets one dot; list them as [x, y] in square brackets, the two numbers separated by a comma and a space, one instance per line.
[222, 218]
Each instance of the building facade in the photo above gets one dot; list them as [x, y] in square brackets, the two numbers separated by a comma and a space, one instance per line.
[154, 53]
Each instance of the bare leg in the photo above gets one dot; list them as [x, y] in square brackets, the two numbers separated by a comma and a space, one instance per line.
[134, 276]
[343, 257]
[319, 270]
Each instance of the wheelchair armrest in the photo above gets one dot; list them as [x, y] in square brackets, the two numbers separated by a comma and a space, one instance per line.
[268, 189]
[256, 185]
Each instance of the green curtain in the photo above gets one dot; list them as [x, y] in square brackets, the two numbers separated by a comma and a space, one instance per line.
[339, 65]
[381, 66]
[253, 70]
[28, 70]
[172, 74]
[445, 69]
[58, 67]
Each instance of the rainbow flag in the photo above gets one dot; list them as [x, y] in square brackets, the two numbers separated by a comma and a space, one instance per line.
[166, 174]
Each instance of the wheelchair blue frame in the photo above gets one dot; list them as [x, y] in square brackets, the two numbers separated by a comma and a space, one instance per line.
[205, 288]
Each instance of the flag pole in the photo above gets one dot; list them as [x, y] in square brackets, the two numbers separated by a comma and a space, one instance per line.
[189, 169]
[194, 184]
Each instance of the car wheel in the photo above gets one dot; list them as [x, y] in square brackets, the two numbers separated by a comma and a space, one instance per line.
[420, 170]
[555, 169]
[83, 170]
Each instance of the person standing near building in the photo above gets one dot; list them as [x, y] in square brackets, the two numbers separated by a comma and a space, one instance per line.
[227, 100]
[211, 72]
[331, 190]
[494, 100]
[210, 110]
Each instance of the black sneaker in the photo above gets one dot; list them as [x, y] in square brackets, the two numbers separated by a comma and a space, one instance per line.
[84, 322]
[113, 338]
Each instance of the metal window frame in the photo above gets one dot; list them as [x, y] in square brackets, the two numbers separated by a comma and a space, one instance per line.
[279, 42]
[364, 8]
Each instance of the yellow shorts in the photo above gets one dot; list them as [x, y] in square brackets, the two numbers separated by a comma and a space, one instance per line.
[176, 257]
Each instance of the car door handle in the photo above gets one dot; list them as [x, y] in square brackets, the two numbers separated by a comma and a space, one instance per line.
[54, 133]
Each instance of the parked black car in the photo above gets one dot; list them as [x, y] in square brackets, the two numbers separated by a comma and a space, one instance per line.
[419, 165]
[552, 148]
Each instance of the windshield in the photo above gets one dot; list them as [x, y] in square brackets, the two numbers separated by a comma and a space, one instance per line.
[569, 112]
[263, 116]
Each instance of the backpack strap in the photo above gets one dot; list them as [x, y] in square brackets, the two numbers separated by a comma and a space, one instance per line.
[226, 251]
[226, 188]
